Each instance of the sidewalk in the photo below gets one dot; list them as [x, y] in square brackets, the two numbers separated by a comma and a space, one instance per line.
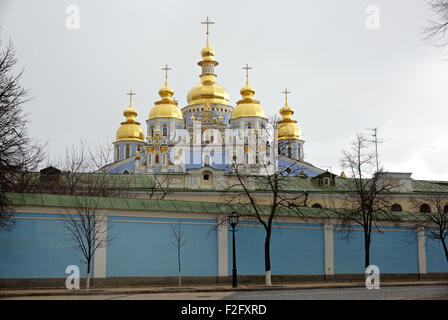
[8, 293]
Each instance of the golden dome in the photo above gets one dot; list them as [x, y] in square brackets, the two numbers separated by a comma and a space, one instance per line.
[248, 106]
[130, 129]
[288, 129]
[165, 108]
[208, 90]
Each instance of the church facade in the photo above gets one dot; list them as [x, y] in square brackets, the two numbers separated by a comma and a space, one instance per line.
[208, 134]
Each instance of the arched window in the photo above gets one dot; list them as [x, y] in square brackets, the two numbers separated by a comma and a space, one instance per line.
[126, 171]
[157, 159]
[396, 207]
[165, 131]
[316, 205]
[289, 152]
[128, 151]
[268, 149]
[425, 208]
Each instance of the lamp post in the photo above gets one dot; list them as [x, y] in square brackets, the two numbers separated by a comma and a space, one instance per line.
[233, 221]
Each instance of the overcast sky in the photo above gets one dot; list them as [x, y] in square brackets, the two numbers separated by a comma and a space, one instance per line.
[344, 77]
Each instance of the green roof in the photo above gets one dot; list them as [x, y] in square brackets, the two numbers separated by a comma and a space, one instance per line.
[51, 200]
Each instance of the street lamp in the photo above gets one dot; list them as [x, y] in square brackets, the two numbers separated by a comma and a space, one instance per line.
[233, 221]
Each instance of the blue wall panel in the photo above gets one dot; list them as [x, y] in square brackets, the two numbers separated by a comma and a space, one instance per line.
[293, 250]
[147, 249]
[391, 251]
[435, 256]
[37, 248]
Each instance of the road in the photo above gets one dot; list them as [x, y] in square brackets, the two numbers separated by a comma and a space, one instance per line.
[438, 292]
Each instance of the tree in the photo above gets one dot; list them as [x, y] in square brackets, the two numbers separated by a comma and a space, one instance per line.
[179, 242]
[366, 202]
[88, 187]
[433, 217]
[18, 154]
[438, 31]
[244, 193]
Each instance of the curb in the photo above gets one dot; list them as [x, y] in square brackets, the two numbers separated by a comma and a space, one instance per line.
[93, 292]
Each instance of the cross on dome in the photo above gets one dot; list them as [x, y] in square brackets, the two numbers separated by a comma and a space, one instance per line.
[207, 22]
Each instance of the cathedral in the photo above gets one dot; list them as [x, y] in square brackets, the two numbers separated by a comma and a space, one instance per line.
[191, 139]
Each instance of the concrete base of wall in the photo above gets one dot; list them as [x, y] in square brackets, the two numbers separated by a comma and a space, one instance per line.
[242, 279]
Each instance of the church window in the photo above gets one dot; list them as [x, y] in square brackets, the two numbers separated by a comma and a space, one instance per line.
[128, 151]
[395, 207]
[157, 159]
[165, 131]
[289, 152]
[425, 208]
[117, 153]
[206, 176]
[126, 171]
[317, 205]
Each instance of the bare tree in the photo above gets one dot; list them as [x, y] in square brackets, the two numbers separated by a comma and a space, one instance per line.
[433, 217]
[88, 187]
[262, 196]
[366, 201]
[437, 33]
[179, 242]
[18, 154]
[159, 188]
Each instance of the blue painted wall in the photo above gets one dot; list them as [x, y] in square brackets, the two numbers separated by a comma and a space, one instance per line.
[147, 249]
[37, 248]
[435, 256]
[293, 250]
[392, 251]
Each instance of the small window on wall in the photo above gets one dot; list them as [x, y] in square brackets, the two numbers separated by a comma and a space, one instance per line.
[165, 131]
[149, 158]
[157, 159]
[117, 153]
[317, 205]
[425, 208]
[206, 176]
[128, 151]
[126, 172]
[396, 207]
[289, 152]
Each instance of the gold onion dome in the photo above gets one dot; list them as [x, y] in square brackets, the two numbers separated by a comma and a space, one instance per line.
[208, 90]
[165, 107]
[288, 129]
[130, 129]
[248, 106]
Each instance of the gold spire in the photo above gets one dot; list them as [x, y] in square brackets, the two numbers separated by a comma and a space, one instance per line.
[248, 106]
[165, 107]
[288, 129]
[130, 129]
[208, 89]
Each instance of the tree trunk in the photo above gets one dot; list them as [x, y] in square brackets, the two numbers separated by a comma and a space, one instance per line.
[178, 261]
[88, 275]
[366, 251]
[267, 258]
[445, 248]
